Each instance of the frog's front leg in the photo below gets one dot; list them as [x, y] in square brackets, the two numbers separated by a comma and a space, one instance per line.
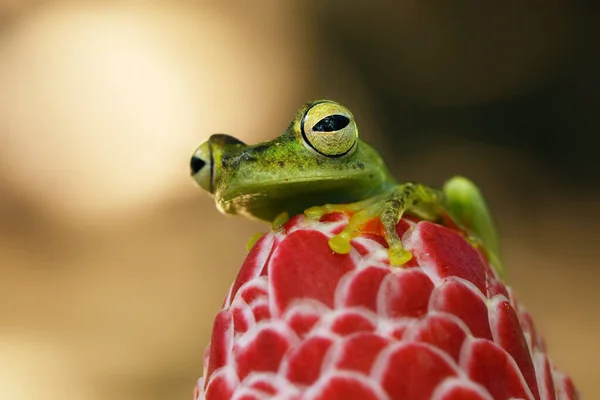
[420, 200]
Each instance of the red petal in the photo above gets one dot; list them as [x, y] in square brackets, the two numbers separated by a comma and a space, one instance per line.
[262, 382]
[349, 322]
[460, 389]
[333, 217]
[360, 243]
[248, 394]
[405, 293]
[544, 376]
[263, 352]
[494, 285]
[363, 287]
[564, 387]
[221, 342]
[242, 316]
[440, 330]
[495, 288]
[398, 328]
[296, 222]
[304, 364]
[508, 334]
[443, 252]
[261, 310]
[490, 366]
[222, 385]
[358, 352]
[412, 371]
[254, 263]
[467, 303]
[528, 326]
[402, 226]
[302, 318]
[253, 290]
[303, 266]
[345, 386]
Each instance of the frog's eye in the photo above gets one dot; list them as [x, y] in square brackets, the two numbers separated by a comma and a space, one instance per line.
[201, 166]
[329, 129]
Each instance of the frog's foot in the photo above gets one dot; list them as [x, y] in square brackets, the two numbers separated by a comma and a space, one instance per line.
[350, 208]
[280, 220]
[388, 208]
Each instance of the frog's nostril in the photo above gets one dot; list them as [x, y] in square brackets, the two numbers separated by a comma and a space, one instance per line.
[196, 164]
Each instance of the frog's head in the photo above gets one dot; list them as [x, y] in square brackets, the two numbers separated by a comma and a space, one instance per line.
[319, 159]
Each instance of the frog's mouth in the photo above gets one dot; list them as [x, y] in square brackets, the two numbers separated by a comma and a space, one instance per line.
[266, 200]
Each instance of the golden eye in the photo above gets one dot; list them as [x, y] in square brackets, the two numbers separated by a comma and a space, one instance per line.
[201, 166]
[329, 129]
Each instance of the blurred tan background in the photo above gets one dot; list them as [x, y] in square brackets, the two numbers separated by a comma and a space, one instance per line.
[113, 263]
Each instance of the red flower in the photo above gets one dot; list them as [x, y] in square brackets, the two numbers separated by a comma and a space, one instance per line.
[302, 322]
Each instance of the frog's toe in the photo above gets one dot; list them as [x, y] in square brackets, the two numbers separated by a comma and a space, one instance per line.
[347, 208]
[341, 243]
[253, 240]
[398, 256]
[280, 220]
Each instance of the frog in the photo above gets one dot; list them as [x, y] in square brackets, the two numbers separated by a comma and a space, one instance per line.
[319, 165]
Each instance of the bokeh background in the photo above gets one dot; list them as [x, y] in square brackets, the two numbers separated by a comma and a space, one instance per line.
[113, 263]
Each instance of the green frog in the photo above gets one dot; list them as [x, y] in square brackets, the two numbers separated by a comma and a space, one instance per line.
[319, 165]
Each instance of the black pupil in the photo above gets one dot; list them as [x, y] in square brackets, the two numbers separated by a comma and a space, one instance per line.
[332, 123]
[196, 164]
